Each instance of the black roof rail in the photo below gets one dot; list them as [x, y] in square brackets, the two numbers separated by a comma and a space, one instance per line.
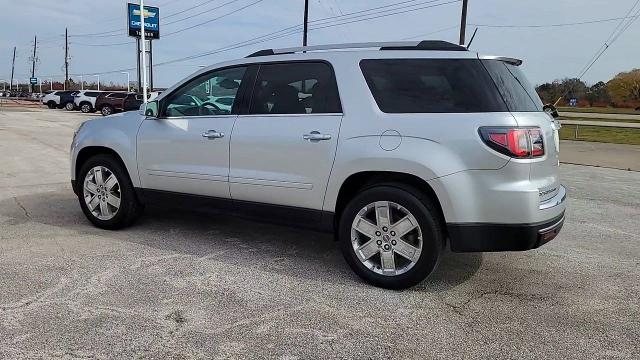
[433, 45]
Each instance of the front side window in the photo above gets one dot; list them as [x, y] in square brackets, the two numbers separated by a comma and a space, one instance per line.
[204, 95]
[295, 88]
[431, 86]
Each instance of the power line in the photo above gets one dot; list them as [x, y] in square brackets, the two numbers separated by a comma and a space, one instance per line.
[201, 13]
[553, 25]
[615, 34]
[214, 19]
[296, 29]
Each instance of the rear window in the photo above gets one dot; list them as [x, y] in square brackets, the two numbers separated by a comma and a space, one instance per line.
[514, 87]
[431, 86]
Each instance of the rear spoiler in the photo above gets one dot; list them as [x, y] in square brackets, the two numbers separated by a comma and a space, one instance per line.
[508, 60]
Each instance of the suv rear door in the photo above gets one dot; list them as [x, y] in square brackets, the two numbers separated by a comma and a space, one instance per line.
[282, 151]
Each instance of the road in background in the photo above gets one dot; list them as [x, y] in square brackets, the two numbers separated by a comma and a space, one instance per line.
[183, 285]
[598, 115]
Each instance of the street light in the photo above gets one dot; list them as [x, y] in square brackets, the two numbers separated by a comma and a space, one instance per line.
[51, 84]
[98, 76]
[128, 81]
[81, 83]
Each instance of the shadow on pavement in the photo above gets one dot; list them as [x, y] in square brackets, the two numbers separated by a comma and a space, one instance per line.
[235, 241]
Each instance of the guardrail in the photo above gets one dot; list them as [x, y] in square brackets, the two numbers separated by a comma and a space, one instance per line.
[606, 124]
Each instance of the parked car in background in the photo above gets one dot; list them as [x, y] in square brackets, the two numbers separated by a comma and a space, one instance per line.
[51, 99]
[85, 100]
[113, 102]
[67, 100]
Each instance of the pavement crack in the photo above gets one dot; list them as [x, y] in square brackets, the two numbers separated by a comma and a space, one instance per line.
[26, 212]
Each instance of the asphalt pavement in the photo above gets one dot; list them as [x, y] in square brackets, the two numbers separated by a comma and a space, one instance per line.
[182, 285]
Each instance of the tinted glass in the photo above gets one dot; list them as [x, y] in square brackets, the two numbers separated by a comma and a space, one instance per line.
[513, 86]
[431, 86]
[199, 97]
[118, 95]
[91, 94]
[296, 88]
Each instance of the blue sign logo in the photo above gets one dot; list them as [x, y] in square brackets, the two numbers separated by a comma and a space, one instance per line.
[151, 21]
[33, 80]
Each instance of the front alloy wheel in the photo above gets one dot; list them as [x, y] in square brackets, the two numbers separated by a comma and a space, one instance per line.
[107, 196]
[69, 106]
[102, 193]
[85, 108]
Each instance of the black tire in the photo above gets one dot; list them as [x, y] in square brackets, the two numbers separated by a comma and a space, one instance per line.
[106, 110]
[69, 106]
[130, 208]
[427, 216]
[86, 107]
[51, 105]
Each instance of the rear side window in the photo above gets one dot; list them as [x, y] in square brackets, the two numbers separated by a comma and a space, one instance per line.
[431, 86]
[91, 94]
[118, 95]
[295, 88]
[514, 87]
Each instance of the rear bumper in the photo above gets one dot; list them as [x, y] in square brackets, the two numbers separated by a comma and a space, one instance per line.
[503, 237]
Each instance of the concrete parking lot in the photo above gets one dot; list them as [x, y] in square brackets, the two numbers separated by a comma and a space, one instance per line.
[181, 285]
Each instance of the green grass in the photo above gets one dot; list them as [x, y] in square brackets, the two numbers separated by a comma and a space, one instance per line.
[598, 119]
[600, 110]
[601, 134]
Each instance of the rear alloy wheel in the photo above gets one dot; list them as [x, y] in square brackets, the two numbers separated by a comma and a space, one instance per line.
[107, 196]
[106, 110]
[69, 106]
[85, 108]
[391, 236]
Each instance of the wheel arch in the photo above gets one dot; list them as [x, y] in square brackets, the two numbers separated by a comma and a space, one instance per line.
[359, 181]
[89, 151]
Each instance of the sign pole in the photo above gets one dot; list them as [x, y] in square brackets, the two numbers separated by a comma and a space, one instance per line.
[144, 53]
[139, 66]
[150, 65]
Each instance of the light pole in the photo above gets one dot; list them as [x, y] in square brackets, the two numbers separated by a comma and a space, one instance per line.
[81, 83]
[4, 85]
[128, 81]
[51, 84]
[98, 76]
[40, 79]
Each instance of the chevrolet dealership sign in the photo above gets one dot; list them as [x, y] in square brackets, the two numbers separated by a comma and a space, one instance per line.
[151, 21]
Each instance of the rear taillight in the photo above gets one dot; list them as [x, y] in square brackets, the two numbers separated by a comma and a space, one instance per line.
[515, 142]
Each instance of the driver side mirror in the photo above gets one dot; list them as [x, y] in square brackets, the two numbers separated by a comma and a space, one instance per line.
[150, 109]
[551, 110]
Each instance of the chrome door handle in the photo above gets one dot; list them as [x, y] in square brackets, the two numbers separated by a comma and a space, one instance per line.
[212, 134]
[316, 136]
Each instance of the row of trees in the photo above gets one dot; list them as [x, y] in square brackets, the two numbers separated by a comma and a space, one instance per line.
[621, 91]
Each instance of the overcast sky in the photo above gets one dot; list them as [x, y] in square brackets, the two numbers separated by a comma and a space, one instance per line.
[548, 52]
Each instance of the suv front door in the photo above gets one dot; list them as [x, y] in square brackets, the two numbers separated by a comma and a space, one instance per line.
[186, 149]
[282, 151]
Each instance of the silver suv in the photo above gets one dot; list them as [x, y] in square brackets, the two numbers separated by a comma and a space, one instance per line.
[398, 149]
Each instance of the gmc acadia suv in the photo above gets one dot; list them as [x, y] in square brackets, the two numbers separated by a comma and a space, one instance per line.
[399, 149]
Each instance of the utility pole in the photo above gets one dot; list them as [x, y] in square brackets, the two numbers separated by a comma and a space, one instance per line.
[306, 22]
[463, 21]
[66, 57]
[33, 63]
[13, 66]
